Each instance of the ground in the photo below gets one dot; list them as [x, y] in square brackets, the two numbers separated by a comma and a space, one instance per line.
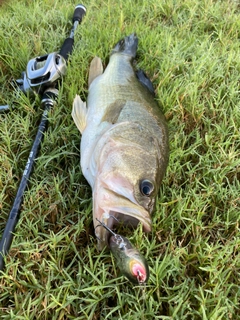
[190, 50]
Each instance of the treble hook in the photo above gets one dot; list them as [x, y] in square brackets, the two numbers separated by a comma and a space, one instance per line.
[105, 226]
[140, 277]
[119, 239]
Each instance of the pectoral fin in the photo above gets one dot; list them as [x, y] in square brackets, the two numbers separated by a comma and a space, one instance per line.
[79, 113]
[96, 69]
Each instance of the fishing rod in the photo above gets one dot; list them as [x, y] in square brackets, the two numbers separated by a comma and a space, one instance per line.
[42, 76]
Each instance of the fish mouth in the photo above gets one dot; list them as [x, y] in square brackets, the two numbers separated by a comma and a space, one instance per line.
[112, 209]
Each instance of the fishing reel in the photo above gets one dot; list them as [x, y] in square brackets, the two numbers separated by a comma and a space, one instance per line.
[41, 73]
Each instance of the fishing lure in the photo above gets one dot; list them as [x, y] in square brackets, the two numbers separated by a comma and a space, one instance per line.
[130, 261]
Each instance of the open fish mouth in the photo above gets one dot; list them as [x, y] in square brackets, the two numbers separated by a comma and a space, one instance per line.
[112, 210]
[112, 220]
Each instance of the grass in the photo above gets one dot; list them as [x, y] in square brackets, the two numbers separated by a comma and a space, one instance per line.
[190, 49]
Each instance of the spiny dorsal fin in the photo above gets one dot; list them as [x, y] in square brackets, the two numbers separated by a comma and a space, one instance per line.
[79, 113]
[96, 69]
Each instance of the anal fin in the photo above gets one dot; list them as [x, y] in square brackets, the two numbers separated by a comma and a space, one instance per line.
[96, 69]
[79, 113]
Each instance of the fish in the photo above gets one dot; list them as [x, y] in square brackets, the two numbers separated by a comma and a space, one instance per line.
[124, 142]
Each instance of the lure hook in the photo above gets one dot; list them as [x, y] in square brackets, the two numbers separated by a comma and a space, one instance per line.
[116, 236]
[140, 277]
[101, 224]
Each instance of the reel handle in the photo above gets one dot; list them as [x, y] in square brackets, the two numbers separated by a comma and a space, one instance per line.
[67, 46]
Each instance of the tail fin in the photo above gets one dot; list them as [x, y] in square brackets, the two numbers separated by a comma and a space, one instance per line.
[128, 45]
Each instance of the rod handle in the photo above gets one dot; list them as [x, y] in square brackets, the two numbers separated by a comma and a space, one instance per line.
[2, 262]
[79, 13]
[67, 46]
[7, 239]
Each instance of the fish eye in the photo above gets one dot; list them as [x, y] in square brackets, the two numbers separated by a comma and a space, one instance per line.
[146, 188]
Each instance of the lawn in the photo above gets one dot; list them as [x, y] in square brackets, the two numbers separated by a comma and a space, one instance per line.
[191, 51]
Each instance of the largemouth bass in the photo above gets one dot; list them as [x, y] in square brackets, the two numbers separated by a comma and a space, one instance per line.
[124, 144]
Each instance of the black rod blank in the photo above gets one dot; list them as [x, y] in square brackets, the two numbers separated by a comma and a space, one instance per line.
[13, 217]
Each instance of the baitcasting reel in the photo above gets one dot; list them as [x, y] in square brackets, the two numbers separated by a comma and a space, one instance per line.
[42, 72]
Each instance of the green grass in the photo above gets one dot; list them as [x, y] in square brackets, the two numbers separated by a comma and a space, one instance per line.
[190, 50]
